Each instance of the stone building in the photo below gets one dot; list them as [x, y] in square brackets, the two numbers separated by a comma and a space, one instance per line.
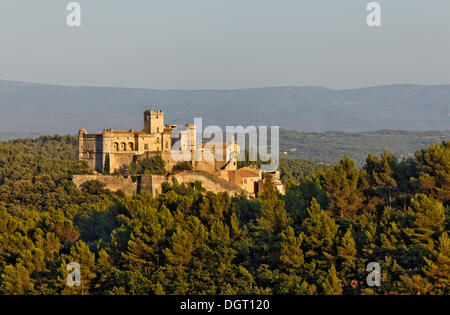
[112, 150]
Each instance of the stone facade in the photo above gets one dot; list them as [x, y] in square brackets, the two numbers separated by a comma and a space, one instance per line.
[153, 183]
[214, 164]
[110, 150]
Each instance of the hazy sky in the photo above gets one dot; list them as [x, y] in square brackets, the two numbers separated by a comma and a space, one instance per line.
[221, 44]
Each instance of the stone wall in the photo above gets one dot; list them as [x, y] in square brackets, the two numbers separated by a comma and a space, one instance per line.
[113, 182]
[209, 182]
[153, 183]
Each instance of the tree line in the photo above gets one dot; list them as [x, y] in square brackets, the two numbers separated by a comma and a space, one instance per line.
[317, 239]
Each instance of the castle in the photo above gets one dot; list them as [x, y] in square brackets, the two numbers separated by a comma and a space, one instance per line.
[113, 150]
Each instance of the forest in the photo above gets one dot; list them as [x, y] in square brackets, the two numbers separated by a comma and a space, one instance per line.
[316, 240]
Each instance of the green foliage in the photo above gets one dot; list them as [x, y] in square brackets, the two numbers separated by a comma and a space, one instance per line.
[182, 166]
[149, 165]
[317, 239]
[434, 164]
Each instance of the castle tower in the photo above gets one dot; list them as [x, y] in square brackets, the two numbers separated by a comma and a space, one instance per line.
[81, 134]
[191, 130]
[154, 121]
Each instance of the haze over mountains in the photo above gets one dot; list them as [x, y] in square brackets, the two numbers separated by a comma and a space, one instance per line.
[28, 109]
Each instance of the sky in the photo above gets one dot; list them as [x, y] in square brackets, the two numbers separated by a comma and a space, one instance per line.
[225, 44]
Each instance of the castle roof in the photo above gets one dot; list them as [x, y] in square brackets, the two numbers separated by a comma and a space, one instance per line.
[246, 173]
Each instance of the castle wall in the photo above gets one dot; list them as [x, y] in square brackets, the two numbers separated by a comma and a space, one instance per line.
[117, 160]
[153, 183]
[113, 182]
[90, 149]
[209, 182]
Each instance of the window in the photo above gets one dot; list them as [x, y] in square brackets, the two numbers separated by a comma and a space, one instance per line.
[116, 146]
[157, 129]
[157, 140]
[145, 146]
[167, 145]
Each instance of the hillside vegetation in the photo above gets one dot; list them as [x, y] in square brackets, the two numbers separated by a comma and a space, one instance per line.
[318, 239]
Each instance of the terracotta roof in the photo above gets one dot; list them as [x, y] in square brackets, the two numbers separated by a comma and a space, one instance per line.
[246, 173]
[255, 170]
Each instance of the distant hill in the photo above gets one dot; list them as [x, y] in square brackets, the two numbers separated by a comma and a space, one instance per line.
[28, 109]
[332, 146]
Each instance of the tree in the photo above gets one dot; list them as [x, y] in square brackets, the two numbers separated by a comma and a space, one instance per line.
[346, 250]
[378, 181]
[291, 253]
[434, 164]
[342, 185]
[16, 281]
[81, 254]
[332, 284]
[320, 231]
[154, 165]
[182, 166]
[438, 268]
[274, 217]
[429, 218]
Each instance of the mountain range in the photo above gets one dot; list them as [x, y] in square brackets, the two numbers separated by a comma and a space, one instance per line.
[28, 109]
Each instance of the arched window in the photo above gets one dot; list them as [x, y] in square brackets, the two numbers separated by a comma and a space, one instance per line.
[116, 146]
[123, 146]
[130, 146]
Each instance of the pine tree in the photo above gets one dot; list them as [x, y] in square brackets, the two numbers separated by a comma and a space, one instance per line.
[438, 268]
[81, 254]
[16, 281]
[320, 231]
[274, 217]
[342, 185]
[434, 164]
[332, 284]
[291, 253]
[378, 180]
[346, 250]
[429, 218]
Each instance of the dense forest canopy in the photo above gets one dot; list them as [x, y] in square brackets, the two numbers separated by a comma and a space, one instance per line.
[317, 239]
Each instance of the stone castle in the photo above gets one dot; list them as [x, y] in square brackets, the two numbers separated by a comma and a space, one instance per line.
[111, 151]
